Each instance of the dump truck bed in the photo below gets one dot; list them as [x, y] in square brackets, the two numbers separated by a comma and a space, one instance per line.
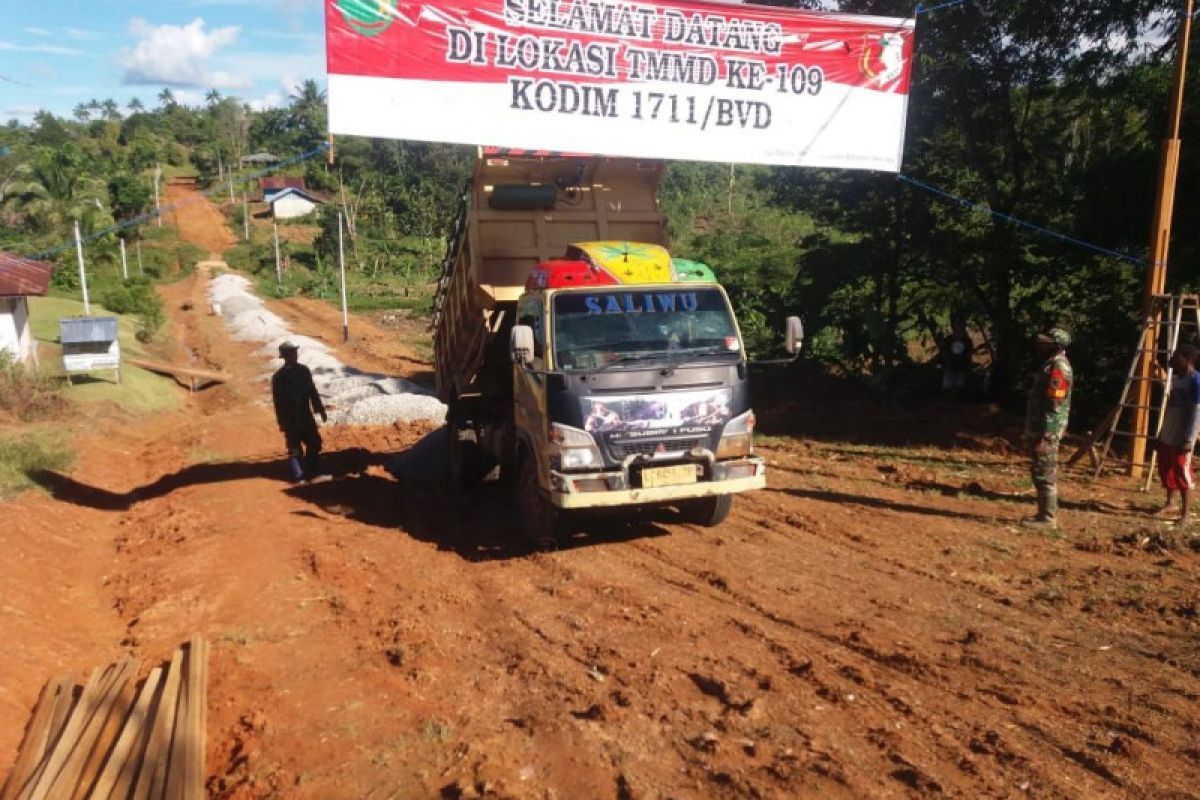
[521, 209]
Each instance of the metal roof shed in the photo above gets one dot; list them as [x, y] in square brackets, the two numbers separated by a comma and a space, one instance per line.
[90, 344]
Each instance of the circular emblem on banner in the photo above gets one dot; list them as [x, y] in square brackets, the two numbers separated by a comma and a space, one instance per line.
[368, 17]
[882, 58]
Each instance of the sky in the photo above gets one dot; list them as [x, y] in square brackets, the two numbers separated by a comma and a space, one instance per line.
[55, 54]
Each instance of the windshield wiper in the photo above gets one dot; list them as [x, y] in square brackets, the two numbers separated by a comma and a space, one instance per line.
[693, 355]
[625, 359]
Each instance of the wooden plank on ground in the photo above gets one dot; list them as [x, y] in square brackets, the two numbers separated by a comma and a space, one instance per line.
[162, 367]
[176, 779]
[72, 727]
[155, 763]
[126, 754]
[67, 780]
[195, 687]
[117, 715]
[133, 765]
[64, 699]
[33, 744]
[201, 747]
[62, 709]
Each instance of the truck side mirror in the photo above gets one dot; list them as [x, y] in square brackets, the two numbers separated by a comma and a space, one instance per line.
[520, 345]
[793, 336]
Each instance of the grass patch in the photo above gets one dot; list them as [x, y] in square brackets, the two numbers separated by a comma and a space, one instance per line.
[435, 730]
[1000, 547]
[27, 394]
[26, 453]
[139, 391]
[202, 455]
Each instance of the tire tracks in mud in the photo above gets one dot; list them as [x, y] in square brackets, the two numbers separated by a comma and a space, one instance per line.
[855, 662]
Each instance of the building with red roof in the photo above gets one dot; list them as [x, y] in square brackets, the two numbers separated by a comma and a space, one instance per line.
[273, 185]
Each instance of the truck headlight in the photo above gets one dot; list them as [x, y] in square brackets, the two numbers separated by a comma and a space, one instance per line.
[737, 439]
[576, 449]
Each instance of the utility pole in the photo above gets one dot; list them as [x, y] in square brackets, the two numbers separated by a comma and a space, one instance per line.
[245, 216]
[124, 262]
[157, 206]
[342, 268]
[278, 268]
[87, 308]
[1160, 241]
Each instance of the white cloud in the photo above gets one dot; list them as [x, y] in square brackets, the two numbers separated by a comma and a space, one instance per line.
[38, 31]
[21, 113]
[272, 67]
[268, 100]
[82, 34]
[178, 55]
[49, 49]
[189, 97]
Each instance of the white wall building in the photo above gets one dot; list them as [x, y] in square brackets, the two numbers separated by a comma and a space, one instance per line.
[291, 203]
[20, 278]
[15, 338]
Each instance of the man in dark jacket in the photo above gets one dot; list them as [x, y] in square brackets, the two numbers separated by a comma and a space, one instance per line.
[296, 400]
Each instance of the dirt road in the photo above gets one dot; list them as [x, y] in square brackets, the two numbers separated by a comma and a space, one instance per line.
[873, 625]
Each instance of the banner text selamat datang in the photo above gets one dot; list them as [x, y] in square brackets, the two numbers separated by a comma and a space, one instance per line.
[683, 80]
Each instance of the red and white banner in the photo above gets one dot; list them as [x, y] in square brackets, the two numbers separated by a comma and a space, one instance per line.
[702, 81]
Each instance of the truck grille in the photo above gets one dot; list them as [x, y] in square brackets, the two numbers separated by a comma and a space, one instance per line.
[626, 449]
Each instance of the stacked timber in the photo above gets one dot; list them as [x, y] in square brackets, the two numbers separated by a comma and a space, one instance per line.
[117, 737]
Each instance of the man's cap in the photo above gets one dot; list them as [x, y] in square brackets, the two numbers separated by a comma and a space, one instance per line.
[288, 347]
[1057, 336]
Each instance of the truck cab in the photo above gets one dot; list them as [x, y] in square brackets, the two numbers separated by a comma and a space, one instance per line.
[630, 387]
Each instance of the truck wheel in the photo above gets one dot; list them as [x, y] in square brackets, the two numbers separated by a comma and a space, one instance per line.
[707, 511]
[538, 519]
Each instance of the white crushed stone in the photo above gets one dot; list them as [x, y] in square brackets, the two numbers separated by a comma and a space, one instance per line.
[354, 397]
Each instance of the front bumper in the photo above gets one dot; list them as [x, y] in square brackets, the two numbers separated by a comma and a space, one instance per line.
[582, 490]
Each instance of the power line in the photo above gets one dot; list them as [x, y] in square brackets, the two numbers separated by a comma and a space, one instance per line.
[938, 7]
[977, 206]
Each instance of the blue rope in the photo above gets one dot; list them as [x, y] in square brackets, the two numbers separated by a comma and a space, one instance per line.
[938, 7]
[1062, 237]
[149, 215]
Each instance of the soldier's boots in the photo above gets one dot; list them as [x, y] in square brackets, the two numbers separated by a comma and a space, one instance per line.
[1047, 516]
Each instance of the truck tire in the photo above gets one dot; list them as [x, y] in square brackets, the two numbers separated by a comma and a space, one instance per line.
[538, 520]
[707, 511]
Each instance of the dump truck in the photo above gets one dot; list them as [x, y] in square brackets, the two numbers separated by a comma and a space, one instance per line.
[582, 359]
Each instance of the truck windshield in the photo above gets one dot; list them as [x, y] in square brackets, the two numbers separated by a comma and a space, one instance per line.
[594, 329]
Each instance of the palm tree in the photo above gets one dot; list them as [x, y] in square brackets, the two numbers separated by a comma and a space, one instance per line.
[307, 94]
[166, 98]
[212, 98]
[81, 112]
[112, 111]
[55, 188]
[307, 113]
[135, 106]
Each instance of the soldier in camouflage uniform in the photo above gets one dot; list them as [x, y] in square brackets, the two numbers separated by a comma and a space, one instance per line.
[1046, 422]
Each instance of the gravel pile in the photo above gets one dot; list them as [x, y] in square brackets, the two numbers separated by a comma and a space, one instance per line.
[355, 397]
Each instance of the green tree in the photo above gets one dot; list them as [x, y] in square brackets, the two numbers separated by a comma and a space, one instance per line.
[56, 188]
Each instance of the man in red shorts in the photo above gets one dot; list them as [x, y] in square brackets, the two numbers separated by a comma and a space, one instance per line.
[1177, 436]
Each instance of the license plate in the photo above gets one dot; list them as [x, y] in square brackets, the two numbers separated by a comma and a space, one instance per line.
[668, 476]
